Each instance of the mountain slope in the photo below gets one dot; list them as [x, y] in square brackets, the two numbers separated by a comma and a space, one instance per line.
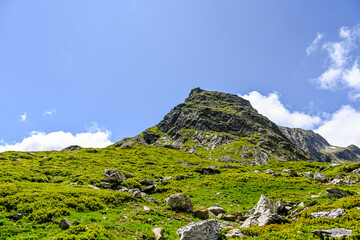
[317, 146]
[220, 126]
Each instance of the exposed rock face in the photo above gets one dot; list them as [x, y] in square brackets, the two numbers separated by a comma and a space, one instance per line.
[335, 213]
[72, 148]
[179, 202]
[114, 176]
[234, 233]
[317, 146]
[208, 229]
[337, 193]
[212, 119]
[334, 233]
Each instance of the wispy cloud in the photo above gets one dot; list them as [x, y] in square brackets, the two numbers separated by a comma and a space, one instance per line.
[23, 117]
[49, 112]
[342, 69]
[40, 141]
[314, 44]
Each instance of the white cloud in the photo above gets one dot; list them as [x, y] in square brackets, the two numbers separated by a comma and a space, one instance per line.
[343, 128]
[314, 44]
[342, 70]
[23, 117]
[49, 112]
[271, 107]
[39, 141]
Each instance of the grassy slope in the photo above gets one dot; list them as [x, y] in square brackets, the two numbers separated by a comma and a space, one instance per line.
[37, 185]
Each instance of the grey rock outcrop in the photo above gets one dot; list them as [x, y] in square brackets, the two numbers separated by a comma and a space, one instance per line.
[114, 176]
[65, 224]
[233, 233]
[319, 176]
[335, 213]
[72, 148]
[290, 172]
[337, 193]
[207, 229]
[179, 202]
[158, 233]
[202, 214]
[334, 233]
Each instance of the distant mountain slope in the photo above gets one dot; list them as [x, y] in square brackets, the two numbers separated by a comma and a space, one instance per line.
[317, 146]
[220, 126]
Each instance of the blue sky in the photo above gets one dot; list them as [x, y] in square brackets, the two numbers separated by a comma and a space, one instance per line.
[93, 72]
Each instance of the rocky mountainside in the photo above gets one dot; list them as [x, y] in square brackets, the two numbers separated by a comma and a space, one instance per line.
[220, 126]
[317, 146]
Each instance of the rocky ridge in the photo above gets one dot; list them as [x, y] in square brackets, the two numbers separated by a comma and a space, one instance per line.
[220, 126]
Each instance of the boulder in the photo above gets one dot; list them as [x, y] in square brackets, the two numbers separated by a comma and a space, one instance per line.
[333, 233]
[290, 172]
[114, 176]
[15, 216]
[105, 185]
[179, 202]
[207, 229]
[335, 213]
[147, 182]
[149, 189]
[202, 214]
[269, 171]
[319, 176]
[308, 174]
[337, 193]
[335, 165]
[216, 210]
[65, 224]
[208, 171]
[158, 233]
[72, 148]
[234, 233]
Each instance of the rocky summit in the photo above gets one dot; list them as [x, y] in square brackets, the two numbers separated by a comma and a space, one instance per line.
[220, 126]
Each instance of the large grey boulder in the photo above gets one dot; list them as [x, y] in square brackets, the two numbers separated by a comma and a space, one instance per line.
[114, 176]
[334, 233]
[290, 172]
[72, 148]
[264, 213]
[337, 193]
[335, 213]
[319, 176]
[204, 230]
[179, 202]
[216, 210]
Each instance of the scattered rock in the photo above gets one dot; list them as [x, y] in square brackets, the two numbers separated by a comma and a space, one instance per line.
[179, 202]
[208, 171]
[233, 233]
[269, 171]
[149, 189]
[179, 177]
[114, 176]
[336, 181]
[230, 166]
[216, 210]
[147, 182]
[105, 185]
[202, 214]
[15, 216]
[158, 233]
[335, 213]
[129, 175]
[16, 159]
[151, 200]
[319, 176]
[146, 208]
[72, 148]
[337, 193]
[93, 187]
[207, 229]
[290, 172]
[308, 174]
[65, 224]
[135, 192]
[334, 233]
[335, 165]
[301, 205]
[256, 171]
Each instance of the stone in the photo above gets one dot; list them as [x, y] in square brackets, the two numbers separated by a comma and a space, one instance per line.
[15, 216]
[105, 185]
[334, 233]
[229, 217]
[72, 148]
[207, 229]
[336, 181]
[151, 200]
[65, 224]
[129, 175]
[269, 171]
[280, 207]
[216, 210]
[230, 166]
[202, 214]
[290, 172]
[319, 176]
[180, 202]
[308, 174]
[150, 137]
[335, 165]
[301, 205]
[135, 192]
[337, 193]
[208, 171]
[149, 189]
[147, 182]
[158, 233]
[179, 177]
[234, 233]
[93, 187]
[114, 176]
[335, 213]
